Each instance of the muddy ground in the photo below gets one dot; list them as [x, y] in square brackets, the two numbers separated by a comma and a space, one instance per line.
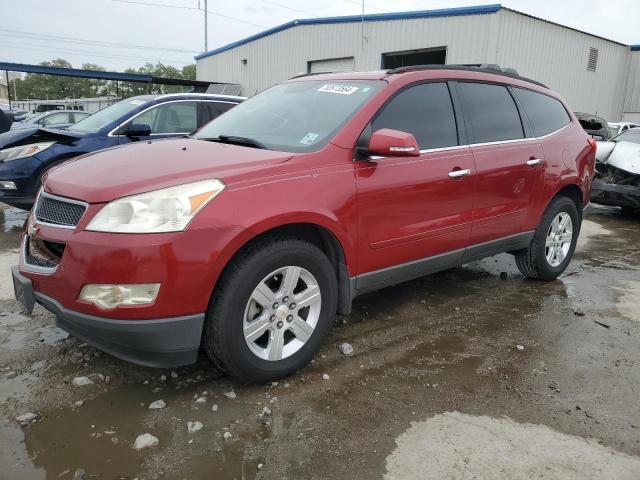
[471, 373]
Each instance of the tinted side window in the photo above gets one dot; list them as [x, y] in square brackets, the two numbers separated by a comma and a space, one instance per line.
[546, 114]
[425, 111]
[174, 117]
[491, 111]
[215, 109]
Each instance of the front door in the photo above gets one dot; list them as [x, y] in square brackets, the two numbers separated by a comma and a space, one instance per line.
[415, 208]
[170, 119]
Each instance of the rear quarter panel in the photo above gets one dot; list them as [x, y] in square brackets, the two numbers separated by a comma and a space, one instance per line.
[569, 160]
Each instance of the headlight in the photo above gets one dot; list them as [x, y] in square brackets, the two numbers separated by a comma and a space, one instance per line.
[167, 210]
[23, 151]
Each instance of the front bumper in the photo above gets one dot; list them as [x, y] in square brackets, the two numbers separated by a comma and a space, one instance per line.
[615, 195]
[166, 342]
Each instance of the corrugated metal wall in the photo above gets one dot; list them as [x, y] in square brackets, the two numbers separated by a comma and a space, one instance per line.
[558, 56]
[538, 49]
[632, 97]
[284, 54]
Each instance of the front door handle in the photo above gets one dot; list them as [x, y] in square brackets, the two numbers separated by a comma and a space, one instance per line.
[459, 173]
[533, 161]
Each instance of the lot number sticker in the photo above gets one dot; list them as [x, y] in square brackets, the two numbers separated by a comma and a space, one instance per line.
[338, 88]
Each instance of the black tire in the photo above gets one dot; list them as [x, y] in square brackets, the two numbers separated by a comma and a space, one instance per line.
[532, 261]
[629, 211]
[224, 340]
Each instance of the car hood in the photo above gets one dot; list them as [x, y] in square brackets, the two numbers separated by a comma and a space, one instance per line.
[121, 171]
[622, 155]
[33, 134]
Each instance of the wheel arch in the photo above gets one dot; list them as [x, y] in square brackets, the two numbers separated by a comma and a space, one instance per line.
[317, 233]
[573, 192]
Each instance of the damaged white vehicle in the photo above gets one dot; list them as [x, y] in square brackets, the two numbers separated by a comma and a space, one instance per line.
[617, 180]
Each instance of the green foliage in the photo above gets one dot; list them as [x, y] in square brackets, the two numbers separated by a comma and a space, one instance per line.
[43, 87]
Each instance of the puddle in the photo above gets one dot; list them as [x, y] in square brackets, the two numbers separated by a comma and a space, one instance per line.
[455, 445]
[588, 231]
[96, 437]
[628, 303]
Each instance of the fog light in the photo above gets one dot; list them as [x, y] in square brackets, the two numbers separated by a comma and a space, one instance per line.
[6, 185]
[112, 296]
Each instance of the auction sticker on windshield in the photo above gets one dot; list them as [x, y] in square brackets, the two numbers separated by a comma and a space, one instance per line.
[338, 88]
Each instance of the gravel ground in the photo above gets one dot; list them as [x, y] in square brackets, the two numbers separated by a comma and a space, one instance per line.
[470, 373]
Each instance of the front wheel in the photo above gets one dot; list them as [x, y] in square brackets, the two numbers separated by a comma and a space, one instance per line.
[553, 243]
[271, 310]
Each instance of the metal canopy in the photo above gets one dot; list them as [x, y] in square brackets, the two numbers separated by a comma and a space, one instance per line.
[116, 76]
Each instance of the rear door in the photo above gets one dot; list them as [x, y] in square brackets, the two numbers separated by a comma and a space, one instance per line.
[412, 208]
[509, 165]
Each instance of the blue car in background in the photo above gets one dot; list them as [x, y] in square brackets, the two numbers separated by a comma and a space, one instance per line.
[27, 153]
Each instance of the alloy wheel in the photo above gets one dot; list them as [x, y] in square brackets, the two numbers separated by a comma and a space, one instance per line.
[559, 238]
[282, 313]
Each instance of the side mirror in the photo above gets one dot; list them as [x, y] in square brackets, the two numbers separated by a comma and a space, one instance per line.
[137, 130]
[393, 143]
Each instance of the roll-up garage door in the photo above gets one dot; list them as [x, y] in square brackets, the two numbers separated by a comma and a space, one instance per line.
[332, 65]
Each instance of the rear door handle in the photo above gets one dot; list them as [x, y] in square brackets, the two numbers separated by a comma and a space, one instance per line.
[459, 173]
[533, 161]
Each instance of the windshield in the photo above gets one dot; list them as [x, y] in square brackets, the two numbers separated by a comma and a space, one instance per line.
[298, 116]
[108, 115]
[632, 135]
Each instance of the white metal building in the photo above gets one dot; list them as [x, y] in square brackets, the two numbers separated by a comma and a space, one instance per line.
[594, 74]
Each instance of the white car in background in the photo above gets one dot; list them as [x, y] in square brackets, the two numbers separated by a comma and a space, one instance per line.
[619, 127]
[617, 179]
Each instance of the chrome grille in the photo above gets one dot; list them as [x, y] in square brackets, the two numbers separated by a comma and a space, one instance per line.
[58, 210]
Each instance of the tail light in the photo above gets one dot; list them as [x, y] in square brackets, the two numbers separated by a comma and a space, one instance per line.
[593, 144]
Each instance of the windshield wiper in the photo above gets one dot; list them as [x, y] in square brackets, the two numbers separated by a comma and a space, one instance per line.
[246, 141]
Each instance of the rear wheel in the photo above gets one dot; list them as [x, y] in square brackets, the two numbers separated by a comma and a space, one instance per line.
[553, 243]
[272, 309]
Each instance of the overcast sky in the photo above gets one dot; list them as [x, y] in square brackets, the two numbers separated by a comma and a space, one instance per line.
[87, 31]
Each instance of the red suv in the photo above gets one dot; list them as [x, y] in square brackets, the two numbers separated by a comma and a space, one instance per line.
[247, 237]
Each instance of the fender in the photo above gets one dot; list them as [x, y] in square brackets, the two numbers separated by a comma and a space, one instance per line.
[246, 234]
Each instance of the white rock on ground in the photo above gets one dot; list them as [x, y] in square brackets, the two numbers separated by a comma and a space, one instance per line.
[193, 427]
[201, 400]
[163, 378]
[174, 374]
[81, 381]
[325, 376]
[520, 347]
[27, 418]
[145, 440]
[227, 436]
[214, 408]
[157, 405]
[230, 394]
[345, 348]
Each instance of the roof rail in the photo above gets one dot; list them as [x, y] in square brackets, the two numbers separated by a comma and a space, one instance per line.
[308, 74]
[473, 67]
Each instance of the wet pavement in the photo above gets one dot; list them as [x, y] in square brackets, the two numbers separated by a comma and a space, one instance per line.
[470, 373]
